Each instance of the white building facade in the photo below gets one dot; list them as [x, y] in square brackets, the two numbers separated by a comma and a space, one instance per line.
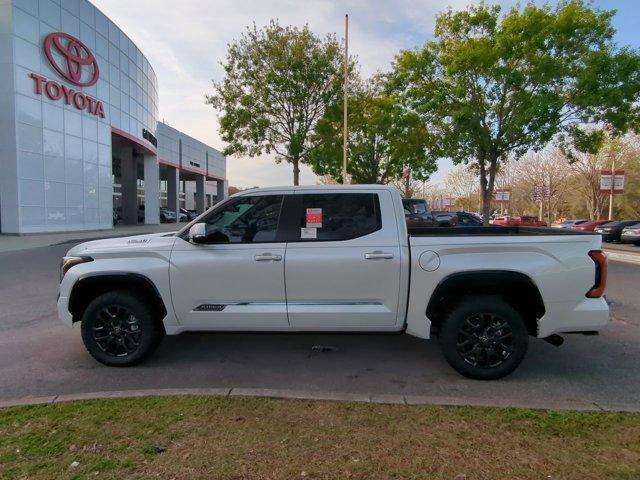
[80, 141]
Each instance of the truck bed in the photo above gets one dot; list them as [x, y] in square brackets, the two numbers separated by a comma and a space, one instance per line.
[492, 230]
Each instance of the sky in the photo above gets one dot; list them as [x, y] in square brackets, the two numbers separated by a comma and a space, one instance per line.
[186, 42]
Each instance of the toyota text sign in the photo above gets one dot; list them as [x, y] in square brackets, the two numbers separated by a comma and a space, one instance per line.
[74, 62]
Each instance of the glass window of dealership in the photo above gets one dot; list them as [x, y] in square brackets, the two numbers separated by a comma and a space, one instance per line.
[81, 146]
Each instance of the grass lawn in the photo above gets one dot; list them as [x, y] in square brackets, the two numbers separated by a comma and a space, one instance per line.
[252, 438]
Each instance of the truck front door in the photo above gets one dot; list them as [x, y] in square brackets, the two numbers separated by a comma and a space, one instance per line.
[236, 280]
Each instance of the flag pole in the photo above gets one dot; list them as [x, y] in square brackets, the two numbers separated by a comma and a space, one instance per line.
[345, 88]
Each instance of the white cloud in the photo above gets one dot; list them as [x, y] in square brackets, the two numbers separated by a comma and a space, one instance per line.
[186, 41]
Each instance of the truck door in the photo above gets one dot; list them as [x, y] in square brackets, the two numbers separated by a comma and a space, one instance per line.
[343, 268]
[236, 280]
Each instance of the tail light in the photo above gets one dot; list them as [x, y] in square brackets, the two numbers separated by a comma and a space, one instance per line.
[602, 265]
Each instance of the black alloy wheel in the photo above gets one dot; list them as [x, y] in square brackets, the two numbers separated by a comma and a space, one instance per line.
[483, 337]
[119, 329]
[485, 340]
[116, 331]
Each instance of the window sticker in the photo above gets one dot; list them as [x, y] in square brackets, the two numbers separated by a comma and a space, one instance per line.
[309, 233]
[314, 218]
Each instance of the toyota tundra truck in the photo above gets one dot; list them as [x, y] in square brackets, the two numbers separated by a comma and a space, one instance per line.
[336, 259]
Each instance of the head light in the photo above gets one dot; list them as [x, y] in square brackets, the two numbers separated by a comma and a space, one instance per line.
[67, 262]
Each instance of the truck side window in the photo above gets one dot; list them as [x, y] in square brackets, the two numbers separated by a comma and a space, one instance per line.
[339, 216]
[251, 219]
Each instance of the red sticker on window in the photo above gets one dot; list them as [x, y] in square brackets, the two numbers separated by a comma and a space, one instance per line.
[314, 218]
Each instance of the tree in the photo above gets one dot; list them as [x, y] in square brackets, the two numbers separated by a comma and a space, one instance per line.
[462, 182]
[278, 83]
[549, 171]
[587, 167]
[384, 139]
[492, 87]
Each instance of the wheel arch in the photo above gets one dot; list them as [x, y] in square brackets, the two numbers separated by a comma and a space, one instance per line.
[91, 285]
[516, 288]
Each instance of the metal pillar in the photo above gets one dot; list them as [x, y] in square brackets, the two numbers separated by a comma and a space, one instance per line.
[129, 182]
[151, 190]
[221, 190]
[173, 190]
[200, 194]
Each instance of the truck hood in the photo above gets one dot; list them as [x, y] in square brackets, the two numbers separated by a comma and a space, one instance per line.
[152, 241]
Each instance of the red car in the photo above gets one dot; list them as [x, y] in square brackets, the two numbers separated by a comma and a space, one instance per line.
[589, 226]
[523, 221]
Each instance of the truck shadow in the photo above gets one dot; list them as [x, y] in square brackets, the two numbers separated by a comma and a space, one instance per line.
[375, 364]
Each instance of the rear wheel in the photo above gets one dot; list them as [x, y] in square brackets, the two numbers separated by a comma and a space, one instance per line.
[483, 337]
[119, 330]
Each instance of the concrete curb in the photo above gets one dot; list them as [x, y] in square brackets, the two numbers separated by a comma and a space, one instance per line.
[566, 405]
[623, 257]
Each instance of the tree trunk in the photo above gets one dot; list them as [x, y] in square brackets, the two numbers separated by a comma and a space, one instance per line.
[407, 185]
[486, 186]
[296, 171]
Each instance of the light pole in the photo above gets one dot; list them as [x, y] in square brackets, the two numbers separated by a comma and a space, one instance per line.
[345, 141]
[613, 177]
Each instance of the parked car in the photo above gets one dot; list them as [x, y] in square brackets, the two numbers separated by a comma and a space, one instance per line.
[348, 263]
[569, 223]
[589, 226]
[445, 219]
[466, 219]
[167, 216]
[190, 214]
[612, 231]
[417, 213]
[631, 234]
[522, 221]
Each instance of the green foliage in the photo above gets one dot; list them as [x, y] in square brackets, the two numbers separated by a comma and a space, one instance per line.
[384, 137]
[492, 86]
[278, 82]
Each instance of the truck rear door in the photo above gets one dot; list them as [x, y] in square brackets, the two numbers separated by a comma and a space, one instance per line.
[343, 267]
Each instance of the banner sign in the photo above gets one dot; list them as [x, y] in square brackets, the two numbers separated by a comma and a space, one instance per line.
[503, 195]
[612, 183]
[541, 192]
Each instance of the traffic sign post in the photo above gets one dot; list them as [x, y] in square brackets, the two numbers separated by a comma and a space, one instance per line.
[612, 182]
[541, 193]
[502, 196]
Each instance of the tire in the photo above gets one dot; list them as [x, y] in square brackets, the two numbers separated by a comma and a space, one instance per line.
[483, 337]
[110, 335]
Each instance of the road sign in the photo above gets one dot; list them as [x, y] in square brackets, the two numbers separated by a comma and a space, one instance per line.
[502, 195]
[606, 182]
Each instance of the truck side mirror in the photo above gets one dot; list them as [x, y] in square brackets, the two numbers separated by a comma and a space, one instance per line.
[198, 233]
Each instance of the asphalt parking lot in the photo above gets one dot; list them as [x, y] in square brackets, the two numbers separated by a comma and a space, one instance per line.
[40, 356]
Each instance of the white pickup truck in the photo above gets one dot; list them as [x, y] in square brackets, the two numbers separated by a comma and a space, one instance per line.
[336, 259]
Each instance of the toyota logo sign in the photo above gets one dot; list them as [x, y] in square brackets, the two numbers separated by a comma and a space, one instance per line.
[68, 56]
[74, 62]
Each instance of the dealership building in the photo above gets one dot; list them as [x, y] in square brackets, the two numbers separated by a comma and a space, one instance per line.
[81, 145]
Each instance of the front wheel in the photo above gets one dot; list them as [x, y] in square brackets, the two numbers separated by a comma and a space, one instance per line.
[119, 330]
[483, 337]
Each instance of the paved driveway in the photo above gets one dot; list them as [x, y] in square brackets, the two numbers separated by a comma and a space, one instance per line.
[39, 356]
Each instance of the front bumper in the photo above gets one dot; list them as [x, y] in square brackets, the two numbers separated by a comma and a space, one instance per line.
[630, 238]
[63, 310]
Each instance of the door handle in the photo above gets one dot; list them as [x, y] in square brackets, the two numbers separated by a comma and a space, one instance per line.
[378, 255]
[265, 257]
